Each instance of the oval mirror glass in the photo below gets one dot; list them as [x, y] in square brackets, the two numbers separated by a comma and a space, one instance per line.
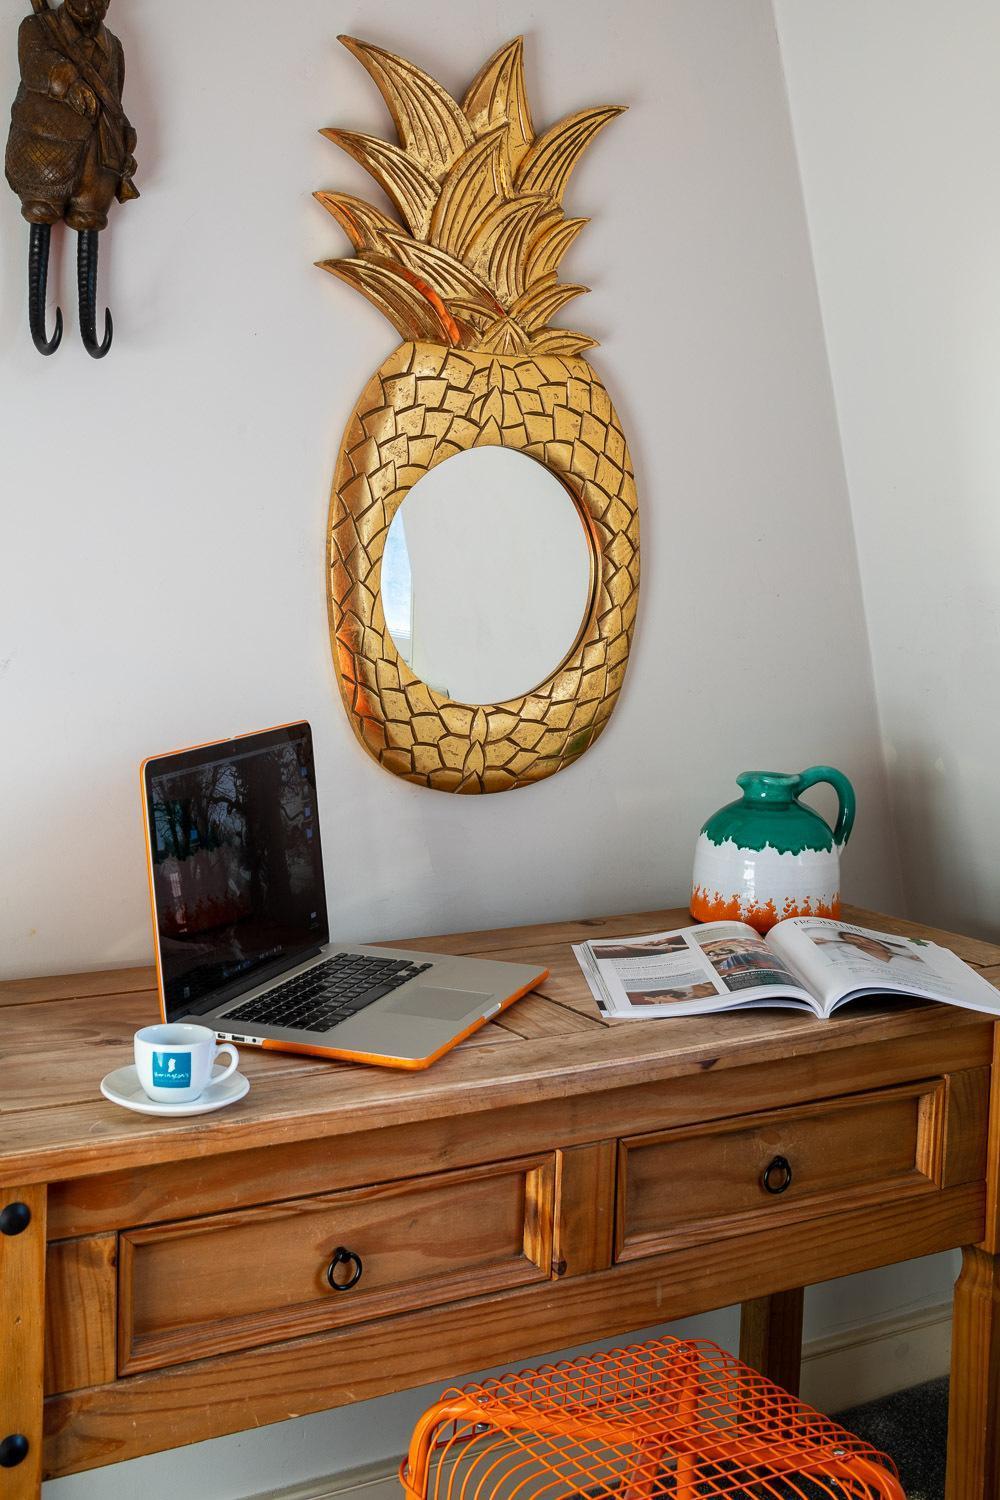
[486, 575]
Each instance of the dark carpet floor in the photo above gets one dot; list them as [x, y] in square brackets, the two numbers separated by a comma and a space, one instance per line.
[912, 1427]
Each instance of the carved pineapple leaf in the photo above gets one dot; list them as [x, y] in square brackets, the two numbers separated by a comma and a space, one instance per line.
[430, 125]
[367, 227]
[547, 166]
[542, 301]
[481, 198]
[411, 188]
[560, 341]
[497, 96]
[498, 247]
[407, 308]
[452, 277]
[479, 178]
[547, 249]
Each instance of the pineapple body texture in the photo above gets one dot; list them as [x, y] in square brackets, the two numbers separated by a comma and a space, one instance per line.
[427, 403]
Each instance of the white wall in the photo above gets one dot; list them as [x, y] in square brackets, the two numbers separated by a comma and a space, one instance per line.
[164, 555]
[163, 569]
[897, 115]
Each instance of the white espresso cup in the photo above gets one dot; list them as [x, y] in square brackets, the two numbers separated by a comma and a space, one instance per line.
[174, 1063]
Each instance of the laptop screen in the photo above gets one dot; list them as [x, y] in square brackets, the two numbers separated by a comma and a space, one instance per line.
[237, 867]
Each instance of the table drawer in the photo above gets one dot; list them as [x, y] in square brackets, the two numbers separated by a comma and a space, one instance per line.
[687, 1185]
[205, 1286]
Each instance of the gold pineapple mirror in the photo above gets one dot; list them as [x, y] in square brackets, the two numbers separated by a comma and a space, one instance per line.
[492, 654]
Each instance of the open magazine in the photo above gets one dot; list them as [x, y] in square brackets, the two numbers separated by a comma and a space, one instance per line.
[810, 963]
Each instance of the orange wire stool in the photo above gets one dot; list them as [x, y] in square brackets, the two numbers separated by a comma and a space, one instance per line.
[679, 1419]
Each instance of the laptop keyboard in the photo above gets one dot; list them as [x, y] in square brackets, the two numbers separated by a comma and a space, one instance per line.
[328, 993]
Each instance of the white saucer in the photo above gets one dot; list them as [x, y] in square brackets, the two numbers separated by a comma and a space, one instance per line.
[123, 1087]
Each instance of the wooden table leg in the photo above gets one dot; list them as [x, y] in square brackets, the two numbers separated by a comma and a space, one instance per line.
[771, 1337]
[22, 1340]
[974, 1402]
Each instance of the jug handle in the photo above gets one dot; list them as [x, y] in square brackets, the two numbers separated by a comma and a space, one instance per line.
[845, 797]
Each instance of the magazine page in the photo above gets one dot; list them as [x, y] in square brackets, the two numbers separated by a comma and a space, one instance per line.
[693, 971]
[841, 962]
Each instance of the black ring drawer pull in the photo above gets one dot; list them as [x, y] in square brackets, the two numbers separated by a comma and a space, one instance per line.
[342, 1257]
[777, 1176]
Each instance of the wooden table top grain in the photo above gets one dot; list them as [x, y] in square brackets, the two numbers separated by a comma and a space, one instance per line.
[60, 1035]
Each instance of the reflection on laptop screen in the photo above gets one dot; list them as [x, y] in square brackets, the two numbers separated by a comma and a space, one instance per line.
[237, 864]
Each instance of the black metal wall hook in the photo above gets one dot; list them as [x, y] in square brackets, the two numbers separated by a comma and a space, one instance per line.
[38, 280]
[86, 277]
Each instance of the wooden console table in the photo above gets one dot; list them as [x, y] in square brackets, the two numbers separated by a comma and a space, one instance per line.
[555, 1180]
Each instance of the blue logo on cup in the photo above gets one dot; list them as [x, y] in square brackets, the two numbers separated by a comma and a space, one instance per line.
[172, 1070]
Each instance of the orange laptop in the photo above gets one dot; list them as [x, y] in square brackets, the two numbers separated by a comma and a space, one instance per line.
[240, 919]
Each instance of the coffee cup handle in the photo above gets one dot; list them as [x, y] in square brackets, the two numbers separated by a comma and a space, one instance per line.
[234, 1064]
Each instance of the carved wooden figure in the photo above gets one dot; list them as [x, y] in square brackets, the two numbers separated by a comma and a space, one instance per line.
[69, 152]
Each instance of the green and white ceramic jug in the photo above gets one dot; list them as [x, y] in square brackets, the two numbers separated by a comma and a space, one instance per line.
[768, 856]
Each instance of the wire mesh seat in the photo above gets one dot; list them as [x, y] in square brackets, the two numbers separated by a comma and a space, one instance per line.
[681, 1419]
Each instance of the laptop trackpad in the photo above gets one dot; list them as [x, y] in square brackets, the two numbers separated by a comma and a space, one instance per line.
[439, 1004]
